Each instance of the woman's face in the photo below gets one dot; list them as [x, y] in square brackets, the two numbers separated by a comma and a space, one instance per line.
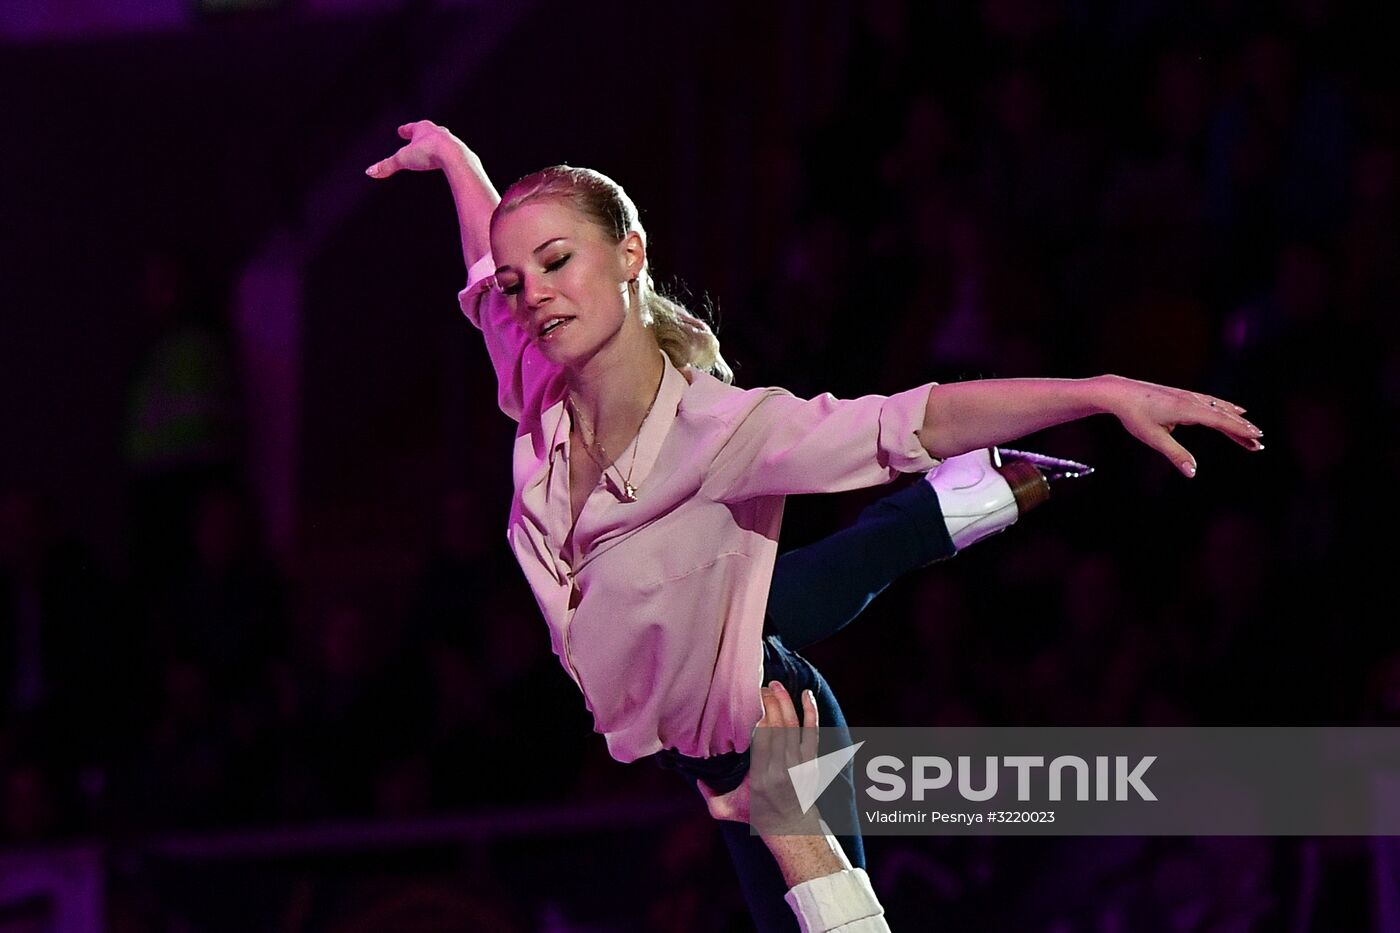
[566, 284]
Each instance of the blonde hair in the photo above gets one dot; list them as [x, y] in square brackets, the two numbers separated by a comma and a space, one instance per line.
[682, 336]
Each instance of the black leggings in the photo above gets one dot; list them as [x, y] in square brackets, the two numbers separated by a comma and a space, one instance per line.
[816, 591]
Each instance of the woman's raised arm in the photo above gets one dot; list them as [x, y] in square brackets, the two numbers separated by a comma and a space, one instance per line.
[432, 147]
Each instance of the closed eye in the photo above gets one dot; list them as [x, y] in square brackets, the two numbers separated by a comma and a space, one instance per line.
[514, 287]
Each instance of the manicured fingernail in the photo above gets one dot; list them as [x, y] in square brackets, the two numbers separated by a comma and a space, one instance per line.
[371, 171]
[1189, 467]
[774, 685]
[807, 694]
[1239, 410]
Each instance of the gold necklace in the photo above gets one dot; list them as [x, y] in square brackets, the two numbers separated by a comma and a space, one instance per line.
[629, 492]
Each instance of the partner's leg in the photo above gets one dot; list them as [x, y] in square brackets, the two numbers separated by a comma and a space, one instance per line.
[818, 589]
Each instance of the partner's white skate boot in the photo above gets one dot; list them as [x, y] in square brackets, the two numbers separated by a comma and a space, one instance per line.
[984, 491]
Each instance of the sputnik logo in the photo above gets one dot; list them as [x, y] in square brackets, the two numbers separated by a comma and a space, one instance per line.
[811, 778]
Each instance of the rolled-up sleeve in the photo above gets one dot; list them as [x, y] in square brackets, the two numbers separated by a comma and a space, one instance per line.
[784, 445]
[842, 902]
[506, 341]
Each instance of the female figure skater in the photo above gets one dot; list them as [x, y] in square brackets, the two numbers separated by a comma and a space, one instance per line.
[649, 491]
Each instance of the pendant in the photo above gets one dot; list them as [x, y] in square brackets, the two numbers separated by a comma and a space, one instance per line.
[629, 492]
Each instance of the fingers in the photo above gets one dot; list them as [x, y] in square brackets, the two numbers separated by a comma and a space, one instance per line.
[1181, 458]
[1231, 424]
[1159, 411]
[801, 743]
[385, 168]
[407, 130]
[782, 715]
[765, 699]
[1220, 406]
[811, 736]
[392, 164]
[1211, 412]
[1239, 430]
[1248, 443]
[1219, 403]
[1227, 419]
[782, 703]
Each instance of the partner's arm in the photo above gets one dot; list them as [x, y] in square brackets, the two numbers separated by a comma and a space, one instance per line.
[825, 892]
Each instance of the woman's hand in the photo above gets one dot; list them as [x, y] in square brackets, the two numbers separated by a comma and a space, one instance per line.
[429, 147]
[432, 147]
[1151, 412]
[770, 789]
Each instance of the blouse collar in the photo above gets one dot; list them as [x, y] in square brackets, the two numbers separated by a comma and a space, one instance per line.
[653, 430]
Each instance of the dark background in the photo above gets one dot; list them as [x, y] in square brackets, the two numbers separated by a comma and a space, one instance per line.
[253, 574]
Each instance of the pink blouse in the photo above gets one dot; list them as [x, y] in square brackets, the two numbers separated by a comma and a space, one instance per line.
[657, 615]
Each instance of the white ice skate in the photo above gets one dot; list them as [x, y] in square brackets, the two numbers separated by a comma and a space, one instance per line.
[984, 491]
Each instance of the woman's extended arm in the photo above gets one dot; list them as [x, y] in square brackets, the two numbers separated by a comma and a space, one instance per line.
[782, 445]
[964, 416]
